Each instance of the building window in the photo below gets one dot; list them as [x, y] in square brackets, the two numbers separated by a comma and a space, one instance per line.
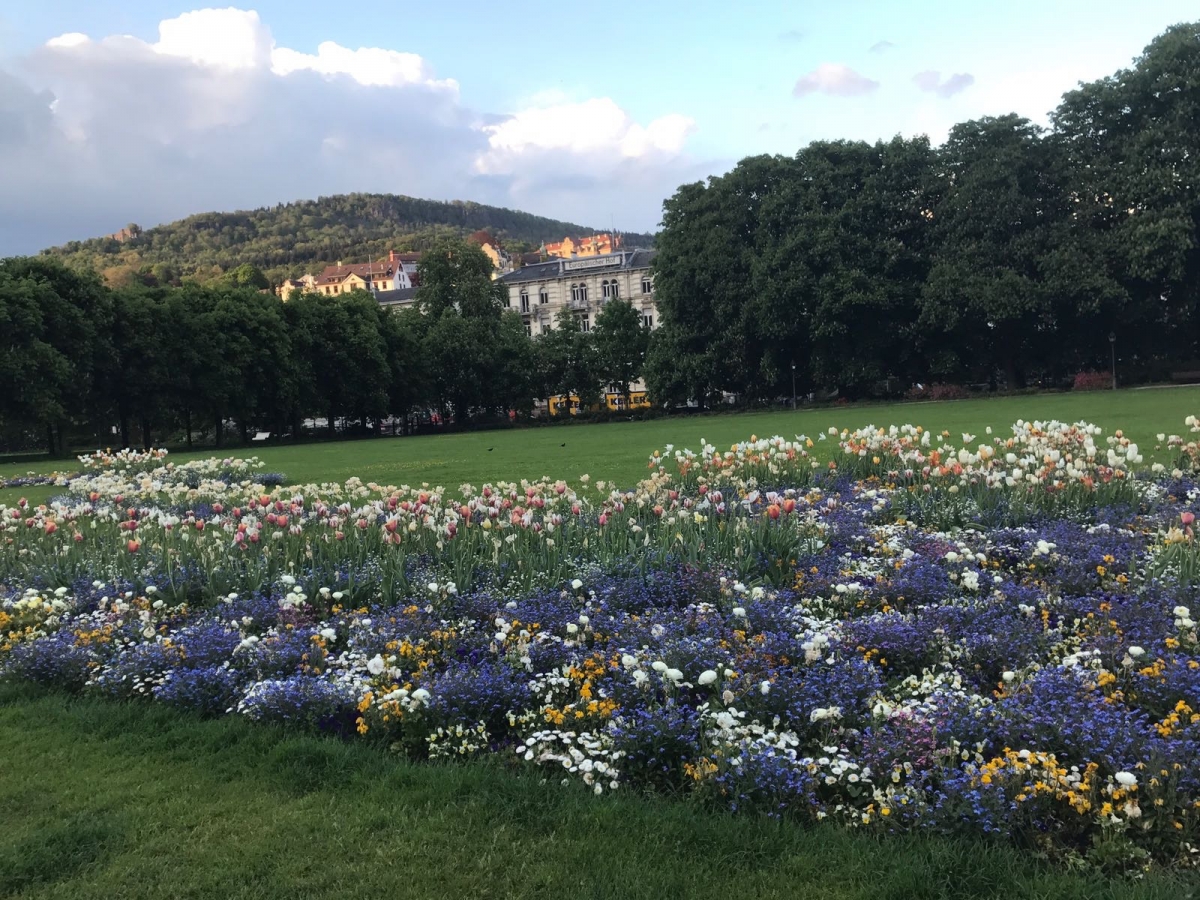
[579, 293]
[528, 329]
[584, 323]
[545, 328]
[543, 296]
[648, 320]
[610, 289]
[647, 287]
[524, 300]
[508, 302]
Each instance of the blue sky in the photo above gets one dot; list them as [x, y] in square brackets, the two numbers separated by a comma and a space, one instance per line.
[562, 109]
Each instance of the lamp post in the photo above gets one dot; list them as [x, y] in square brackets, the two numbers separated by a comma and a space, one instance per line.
[1112, 344]
[793, 386]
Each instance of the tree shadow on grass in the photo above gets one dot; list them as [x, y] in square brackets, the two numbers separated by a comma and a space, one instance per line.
[59, 851]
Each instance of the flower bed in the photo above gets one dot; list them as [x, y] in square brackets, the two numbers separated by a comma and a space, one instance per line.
[898, 634]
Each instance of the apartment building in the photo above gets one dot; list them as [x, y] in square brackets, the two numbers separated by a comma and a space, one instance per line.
[582, 285]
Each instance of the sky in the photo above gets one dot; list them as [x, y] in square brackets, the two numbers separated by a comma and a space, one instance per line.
[115, 111]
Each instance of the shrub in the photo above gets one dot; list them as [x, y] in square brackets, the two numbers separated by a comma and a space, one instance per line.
[1092, 381]
[937, 392]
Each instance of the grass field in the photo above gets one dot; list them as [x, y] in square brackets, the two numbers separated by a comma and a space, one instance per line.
[102, 799]
[618, 451]
[110, 800]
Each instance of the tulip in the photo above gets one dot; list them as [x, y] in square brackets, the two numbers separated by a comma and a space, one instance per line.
[51, 528]
[132, 546]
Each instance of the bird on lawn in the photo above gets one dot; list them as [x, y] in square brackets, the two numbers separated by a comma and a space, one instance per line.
[490, 449]
[562, 445]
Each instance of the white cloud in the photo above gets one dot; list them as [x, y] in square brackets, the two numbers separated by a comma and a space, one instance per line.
[931, 82]
[71, 39]
[836, 80]
[881, 47]
[366, 65]
[214, 116]
[587, 127]
[228, 38]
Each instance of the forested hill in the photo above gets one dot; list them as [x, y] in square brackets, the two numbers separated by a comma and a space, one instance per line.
[291, 238]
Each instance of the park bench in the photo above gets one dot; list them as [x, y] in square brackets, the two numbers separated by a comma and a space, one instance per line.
[261, 436]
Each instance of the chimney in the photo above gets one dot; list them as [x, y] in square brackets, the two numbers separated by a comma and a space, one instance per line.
[339, 263]
[391, 256]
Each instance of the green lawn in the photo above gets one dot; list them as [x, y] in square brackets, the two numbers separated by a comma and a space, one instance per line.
[619, 450]
[105, 800]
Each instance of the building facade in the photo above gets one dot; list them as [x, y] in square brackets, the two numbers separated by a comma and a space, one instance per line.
[593, 245]
[537, 292]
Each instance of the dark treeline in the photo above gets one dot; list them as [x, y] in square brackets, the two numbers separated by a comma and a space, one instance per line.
[159, 363]
[1006, 256]
[289, 239]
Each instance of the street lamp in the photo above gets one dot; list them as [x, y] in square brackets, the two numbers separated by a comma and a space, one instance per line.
[793, 386]
[1112, 343]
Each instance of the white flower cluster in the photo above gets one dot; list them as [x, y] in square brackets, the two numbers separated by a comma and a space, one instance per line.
[589, 756]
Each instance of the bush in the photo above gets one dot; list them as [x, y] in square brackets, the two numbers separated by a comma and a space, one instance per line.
[937, 392]
[1092, 381]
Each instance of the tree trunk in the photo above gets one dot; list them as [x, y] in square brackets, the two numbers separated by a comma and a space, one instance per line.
[50, 448]
[124, 416]
[220, 428]
[146, 441]
[187, 417]
[244, 428]
[332, 428]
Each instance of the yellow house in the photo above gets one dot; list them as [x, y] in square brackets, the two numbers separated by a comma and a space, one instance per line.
[384, 275]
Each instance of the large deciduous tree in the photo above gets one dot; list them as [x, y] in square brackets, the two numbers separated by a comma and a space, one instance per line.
[621, 340]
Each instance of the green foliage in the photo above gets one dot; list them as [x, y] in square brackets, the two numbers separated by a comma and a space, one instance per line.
[1007, 254]
[621, 342]
[570, 363]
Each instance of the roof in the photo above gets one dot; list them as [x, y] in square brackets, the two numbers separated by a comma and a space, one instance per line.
[482, 237]
[557, 268]
[378, 269]
[401, 297]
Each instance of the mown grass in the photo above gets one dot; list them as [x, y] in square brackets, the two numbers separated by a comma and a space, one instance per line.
[104, 800]
[618, 451]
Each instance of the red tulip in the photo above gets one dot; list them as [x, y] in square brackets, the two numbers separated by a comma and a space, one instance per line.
[132, 546]
[773, 511]
[51, 528]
